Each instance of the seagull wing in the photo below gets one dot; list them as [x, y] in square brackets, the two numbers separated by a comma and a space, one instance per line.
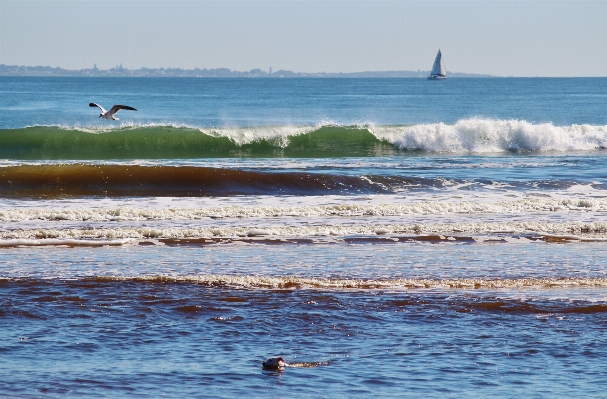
[103, 111]
[117, 108]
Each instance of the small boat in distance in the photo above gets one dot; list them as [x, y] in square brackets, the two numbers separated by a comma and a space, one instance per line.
[438, 69]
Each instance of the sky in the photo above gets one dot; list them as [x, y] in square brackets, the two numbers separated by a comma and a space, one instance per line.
[496, 37]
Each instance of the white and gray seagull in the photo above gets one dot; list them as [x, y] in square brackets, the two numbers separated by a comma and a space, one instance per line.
[110, 114]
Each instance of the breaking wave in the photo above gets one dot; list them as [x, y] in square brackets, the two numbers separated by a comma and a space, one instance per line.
[489, 136]
[148, 141]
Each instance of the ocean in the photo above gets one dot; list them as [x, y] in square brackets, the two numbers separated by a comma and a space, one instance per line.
[386, 237]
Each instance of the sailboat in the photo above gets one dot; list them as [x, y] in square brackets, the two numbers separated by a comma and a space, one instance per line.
[438, 69]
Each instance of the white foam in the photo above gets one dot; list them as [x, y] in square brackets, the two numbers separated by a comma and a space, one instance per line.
[133, 213]
[568, 230]
[277, 135]
[492, 135]
[295, 282]
[29, 242]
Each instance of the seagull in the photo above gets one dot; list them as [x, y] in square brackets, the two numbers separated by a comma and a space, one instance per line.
[110, 114]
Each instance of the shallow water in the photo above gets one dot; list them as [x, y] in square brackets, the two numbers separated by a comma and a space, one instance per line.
[160, 337]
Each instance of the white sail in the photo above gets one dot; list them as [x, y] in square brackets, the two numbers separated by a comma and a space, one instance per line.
[438, 69]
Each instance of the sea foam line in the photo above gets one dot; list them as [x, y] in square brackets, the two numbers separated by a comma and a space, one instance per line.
[295, 282]
[343, 210]
[568, 230]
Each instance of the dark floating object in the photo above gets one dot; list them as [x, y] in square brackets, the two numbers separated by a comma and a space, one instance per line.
[278, 363]
[110, 114]
[274, 363]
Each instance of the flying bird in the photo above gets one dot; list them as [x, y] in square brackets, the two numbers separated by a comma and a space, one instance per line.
[110, 114]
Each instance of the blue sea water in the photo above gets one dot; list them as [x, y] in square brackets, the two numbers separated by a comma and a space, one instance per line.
[263, 102]
[387, 237]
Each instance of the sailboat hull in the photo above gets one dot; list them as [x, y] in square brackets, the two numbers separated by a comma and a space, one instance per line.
[436, 77]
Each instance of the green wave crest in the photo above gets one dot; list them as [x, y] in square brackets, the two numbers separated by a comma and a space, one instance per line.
[166, 142]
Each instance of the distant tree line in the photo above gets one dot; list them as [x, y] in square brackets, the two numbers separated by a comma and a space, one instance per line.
[120, 71]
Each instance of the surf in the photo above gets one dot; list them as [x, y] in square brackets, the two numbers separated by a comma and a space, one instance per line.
[152, 141]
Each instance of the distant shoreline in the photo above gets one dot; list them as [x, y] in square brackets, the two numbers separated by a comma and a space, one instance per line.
[119, 71]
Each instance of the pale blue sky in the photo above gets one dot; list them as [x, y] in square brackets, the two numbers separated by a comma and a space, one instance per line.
[506, 38]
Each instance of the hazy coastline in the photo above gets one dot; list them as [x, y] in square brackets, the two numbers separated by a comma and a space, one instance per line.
[120, 71]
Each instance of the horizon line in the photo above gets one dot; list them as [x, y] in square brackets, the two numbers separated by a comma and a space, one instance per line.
[222, 72]
[119, 70]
